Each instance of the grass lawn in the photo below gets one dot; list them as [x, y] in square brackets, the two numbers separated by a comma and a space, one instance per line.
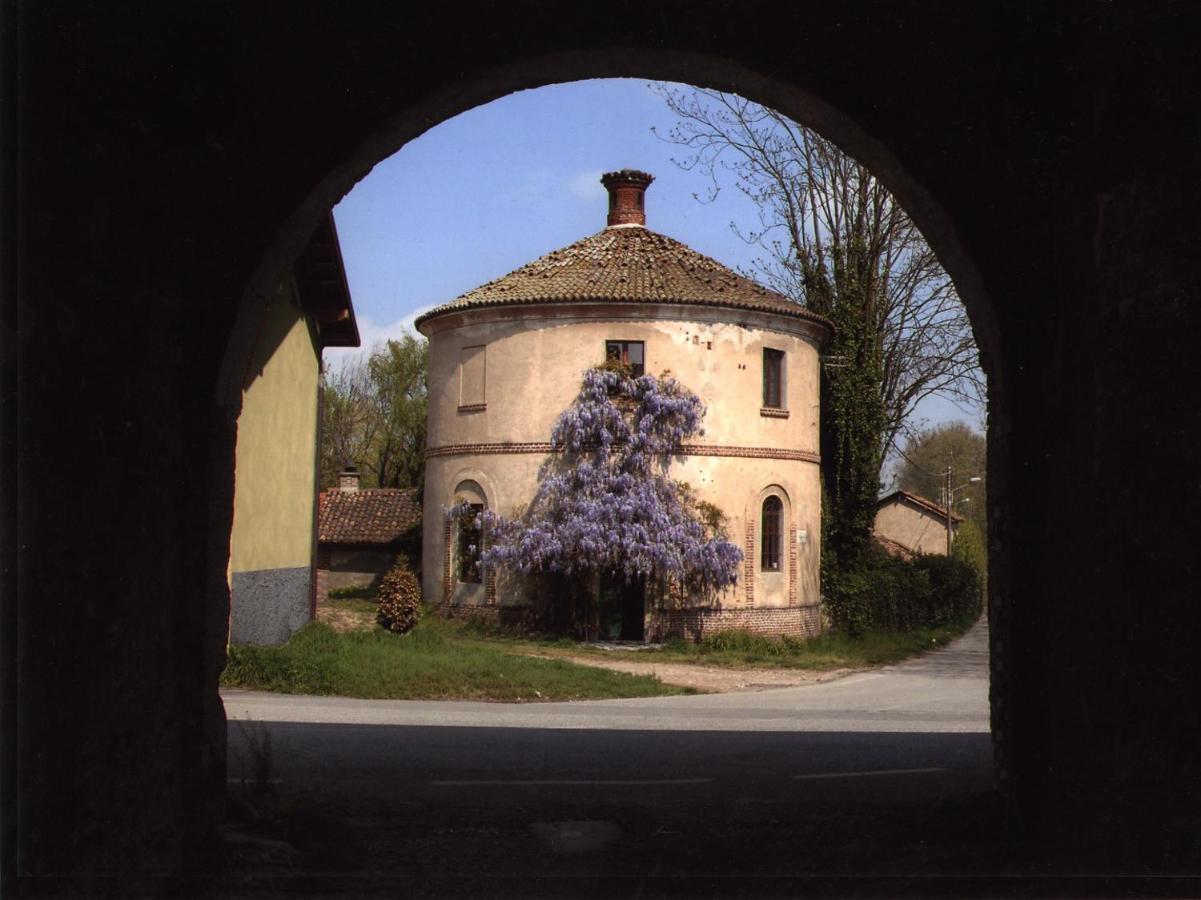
[436, 660]
[444, 659]
[740, 649]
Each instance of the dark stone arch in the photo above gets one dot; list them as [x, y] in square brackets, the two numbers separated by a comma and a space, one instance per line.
[174, 154]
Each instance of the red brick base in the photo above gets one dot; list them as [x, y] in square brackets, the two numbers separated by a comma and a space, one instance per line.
[694, 624]
[689, 624]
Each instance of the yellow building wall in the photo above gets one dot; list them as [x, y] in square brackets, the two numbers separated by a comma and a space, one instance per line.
[271, 543]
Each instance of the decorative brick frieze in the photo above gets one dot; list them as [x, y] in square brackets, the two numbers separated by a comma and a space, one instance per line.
[472, 407]
[792, 565]
[448, 585]
[769, 412]
[682, 450]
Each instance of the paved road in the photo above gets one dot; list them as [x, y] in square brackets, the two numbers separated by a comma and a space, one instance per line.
[913, 730]
[942, 691]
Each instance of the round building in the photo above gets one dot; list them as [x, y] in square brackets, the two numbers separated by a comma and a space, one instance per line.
[508, 357]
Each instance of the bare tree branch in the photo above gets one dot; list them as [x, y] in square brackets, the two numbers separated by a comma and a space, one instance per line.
[815, 203]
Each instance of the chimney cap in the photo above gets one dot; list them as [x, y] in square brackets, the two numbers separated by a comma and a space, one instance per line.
[626, 188]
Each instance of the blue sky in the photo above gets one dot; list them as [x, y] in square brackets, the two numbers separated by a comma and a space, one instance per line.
[499, 185]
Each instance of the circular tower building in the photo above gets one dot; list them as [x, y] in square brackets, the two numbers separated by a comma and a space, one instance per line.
[508, 357]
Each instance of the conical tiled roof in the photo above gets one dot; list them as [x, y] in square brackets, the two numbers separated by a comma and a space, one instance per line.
[626, 264]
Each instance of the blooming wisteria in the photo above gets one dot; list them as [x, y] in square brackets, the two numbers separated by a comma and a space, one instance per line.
[606, 503]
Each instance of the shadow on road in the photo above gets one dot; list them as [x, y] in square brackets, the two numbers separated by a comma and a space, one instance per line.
[421, 811]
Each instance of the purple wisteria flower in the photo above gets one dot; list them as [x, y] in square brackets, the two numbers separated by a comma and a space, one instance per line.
[606, 503]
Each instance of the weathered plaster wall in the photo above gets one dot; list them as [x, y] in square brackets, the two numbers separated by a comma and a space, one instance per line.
[535, 359]
[914, 528]
[271, 541]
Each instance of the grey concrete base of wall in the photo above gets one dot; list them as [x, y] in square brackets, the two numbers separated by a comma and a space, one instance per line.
[268, 606]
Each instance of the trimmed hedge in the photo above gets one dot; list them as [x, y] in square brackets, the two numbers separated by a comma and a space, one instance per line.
[885, 592]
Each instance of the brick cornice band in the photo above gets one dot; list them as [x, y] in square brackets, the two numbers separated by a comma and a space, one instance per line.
[683, 450]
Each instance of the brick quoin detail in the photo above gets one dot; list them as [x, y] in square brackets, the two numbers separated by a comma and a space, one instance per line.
[749, 564]
[490, 587]
[448, 587]
[792, 565]
[682, 450]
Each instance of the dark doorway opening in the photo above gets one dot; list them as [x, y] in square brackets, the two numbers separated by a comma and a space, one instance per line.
[621, 608]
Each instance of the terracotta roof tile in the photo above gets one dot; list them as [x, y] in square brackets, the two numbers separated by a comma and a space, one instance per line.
[375, 516]
[894, 548]
[928, 505]
[626, 263]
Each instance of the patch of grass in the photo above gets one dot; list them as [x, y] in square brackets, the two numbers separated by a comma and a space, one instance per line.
[430, 662]
[743, 649]
[356, 606]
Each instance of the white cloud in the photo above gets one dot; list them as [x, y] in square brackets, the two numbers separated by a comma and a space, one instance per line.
[586, 185]
[372, 337]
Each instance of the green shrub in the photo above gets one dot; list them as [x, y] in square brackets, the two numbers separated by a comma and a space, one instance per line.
[399, 599]
[886, 592]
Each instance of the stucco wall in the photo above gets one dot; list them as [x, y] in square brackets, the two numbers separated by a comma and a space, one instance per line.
[535, 359]
[271, 542]
[917, 529]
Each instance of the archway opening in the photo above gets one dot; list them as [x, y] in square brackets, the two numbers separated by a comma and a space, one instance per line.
[767, 550]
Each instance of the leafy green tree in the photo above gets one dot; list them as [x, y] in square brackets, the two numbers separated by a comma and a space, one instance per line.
[374, 416]
[398, 376]
[926, 457]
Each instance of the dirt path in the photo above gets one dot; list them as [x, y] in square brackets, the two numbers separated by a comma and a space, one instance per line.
[713, 679]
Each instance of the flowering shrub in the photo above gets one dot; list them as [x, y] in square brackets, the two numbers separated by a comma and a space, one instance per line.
[399, 599]
[606, 504]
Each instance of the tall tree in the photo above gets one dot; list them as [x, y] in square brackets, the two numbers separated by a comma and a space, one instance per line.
[374, 416]
[398, 375]
[836, 241]
[926, 457]
[347, 423]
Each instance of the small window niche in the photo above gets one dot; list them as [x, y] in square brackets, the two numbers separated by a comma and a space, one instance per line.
[628, 353]
[472, 379]
[773, 384]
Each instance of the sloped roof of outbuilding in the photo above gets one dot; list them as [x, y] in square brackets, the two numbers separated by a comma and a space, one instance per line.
[375, 516]
[626, 264]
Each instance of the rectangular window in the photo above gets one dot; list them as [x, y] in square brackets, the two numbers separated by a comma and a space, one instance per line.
[773, 379]
[471, 376]
[627, 352]
[471, 536]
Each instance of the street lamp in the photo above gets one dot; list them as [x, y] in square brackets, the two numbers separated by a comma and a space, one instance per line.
[949, 474]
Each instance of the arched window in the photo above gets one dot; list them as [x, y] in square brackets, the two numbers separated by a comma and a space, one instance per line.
[468, 537]
[773, 522]
[471, 538]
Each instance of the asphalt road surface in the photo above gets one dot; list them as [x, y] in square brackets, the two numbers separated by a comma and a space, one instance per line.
[914, 730]
[882, 771]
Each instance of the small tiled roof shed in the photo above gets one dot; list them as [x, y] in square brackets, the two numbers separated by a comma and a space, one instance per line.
[376, 518]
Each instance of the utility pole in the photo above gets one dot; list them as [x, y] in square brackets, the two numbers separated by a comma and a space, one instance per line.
[949, 497]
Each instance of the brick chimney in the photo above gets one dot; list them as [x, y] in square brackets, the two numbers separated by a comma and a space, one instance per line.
[627, 194]
[348, 479]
